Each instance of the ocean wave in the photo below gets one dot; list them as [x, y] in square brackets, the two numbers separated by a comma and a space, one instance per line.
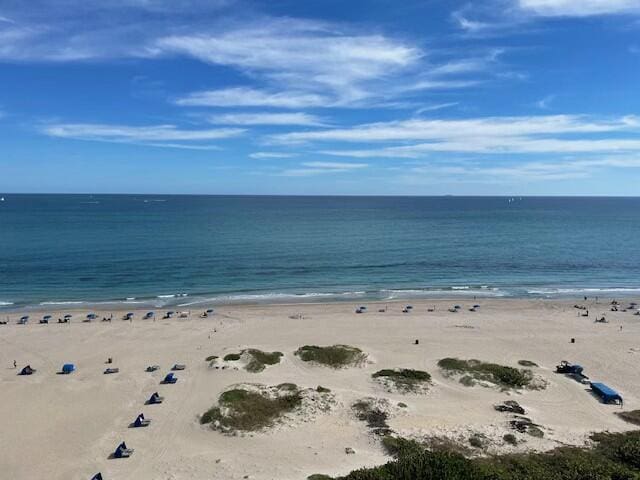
[63, 303]
[273, 296]
[173, 295]
[444, 292]
[581, 291]
[5, 304]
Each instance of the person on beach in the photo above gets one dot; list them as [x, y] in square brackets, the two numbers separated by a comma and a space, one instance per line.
[15, 364]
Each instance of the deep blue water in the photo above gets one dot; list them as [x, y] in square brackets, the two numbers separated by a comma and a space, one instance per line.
[68, 248]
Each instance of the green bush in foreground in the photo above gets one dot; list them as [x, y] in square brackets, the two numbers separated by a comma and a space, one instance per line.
[335, 356]
[249, 410]
[614, 457]
[232, 357]
[404, 379]
[507, 377]
[527, 363]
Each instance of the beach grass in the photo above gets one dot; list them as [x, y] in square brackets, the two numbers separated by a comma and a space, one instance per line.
[244, 409]
[211, 358]
[474, 371]
[257, 360]
[613, 456]
[371, 411]
[404, 379]
[334, 356]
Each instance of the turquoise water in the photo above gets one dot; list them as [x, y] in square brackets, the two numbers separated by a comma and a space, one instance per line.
[179, 250]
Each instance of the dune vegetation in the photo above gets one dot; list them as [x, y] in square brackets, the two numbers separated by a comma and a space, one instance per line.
[334, 356]
[403, 379]
[475, 371]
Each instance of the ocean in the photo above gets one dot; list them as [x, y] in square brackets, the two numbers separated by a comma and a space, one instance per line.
[166, 250]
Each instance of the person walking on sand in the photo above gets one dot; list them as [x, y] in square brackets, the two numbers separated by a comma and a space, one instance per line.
[15, 364]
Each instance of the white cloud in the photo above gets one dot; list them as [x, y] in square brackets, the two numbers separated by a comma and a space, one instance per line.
[293, 53]
[270, 155]
[298, 118]
[562, 169]
[579, 8]
[484, 127]
[486, 135]
[322, 168]
[153, 135]
[250, 97]
[545, 103]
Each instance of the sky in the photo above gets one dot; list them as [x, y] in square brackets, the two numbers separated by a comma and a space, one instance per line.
[378, 97]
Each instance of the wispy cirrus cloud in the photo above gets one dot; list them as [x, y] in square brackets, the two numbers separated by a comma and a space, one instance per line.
[262, 118]
[271, 155]
[500, 16]
[308, 169]
[153, 135]
[487, 135]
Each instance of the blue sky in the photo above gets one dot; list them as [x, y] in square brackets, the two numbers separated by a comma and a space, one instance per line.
[426, 97]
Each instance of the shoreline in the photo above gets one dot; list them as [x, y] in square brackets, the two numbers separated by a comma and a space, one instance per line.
[185, 301]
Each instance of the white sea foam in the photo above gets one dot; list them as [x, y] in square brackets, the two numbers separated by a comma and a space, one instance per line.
[63, 303]
[4, 304]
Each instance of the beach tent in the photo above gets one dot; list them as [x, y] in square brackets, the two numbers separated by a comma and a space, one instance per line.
[91, 316]
[155, 398]
[68, 315]
[210, 310]
[23, 320]
[128, 316]
[97, 476]
[607, 394]
[148, 315]
[141, 421]
[27, 370]
[122, 451]
[170, 378]
[68, 368]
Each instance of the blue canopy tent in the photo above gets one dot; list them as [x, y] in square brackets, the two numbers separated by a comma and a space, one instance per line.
[607, 394]
[148, 315]
[170, 378]
[122, 451]
[91, 316]
[128, 316]
[23, 320]
[68, 315]
[155, 398]
[68, 368]
[141, 421]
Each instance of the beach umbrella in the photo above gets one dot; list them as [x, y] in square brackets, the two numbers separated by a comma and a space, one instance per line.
[68, 315]
[47, 317]
[457, 306]
[25, 318]
[476, 306]
[210, 310]
[91, 316]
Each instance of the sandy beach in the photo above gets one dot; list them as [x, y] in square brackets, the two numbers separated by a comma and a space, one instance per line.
[66, 426]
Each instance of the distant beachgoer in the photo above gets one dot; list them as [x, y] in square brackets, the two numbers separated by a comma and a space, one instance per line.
[15, 364]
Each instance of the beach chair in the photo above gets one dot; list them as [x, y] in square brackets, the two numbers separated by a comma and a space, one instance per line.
[179, 366]
[155, 399]
[140, 421]
[122, 451]
[170, 379]
[153, 368]
[111, 370]
[27, 370]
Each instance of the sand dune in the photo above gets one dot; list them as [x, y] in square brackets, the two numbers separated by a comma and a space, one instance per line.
[65, 426]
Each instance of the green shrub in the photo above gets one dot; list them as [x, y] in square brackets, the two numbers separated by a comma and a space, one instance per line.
[232, 357]
[321, 389]
[510, 438]
[506, 377]
[211, 358]
[404, 379]
[614, 457]
[335, 356]
[249, 410]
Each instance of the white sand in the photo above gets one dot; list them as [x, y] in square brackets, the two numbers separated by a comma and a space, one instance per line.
[65, 426]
